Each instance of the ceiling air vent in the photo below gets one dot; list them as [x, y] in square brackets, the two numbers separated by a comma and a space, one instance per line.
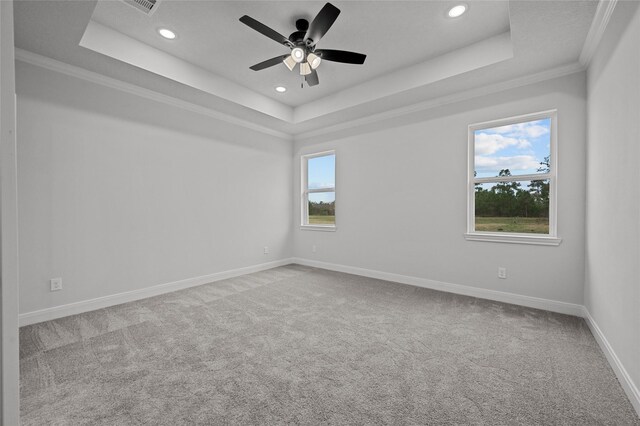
[146, 6]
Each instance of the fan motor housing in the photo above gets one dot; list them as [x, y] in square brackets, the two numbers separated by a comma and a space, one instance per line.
[297, 37]
[302, 25]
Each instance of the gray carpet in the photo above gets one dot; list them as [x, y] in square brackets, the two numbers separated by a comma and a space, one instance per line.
[296, 345]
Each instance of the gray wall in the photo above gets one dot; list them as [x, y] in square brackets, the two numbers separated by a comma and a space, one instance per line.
[9, 370]
[420, 171]
[612, 290]
[118, 193]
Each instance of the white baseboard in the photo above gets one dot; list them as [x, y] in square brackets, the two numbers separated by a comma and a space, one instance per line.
[625, 380]
[499, 296]
[627, 383]
[129, 296]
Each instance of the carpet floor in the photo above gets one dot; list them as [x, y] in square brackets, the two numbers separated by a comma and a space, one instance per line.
[297, 345]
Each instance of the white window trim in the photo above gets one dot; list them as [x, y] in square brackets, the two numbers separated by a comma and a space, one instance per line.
[304, 193]
[550, 239]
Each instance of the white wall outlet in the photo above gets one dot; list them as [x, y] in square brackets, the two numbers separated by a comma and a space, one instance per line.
[266, 250]
[56, 284]
[502, 272]
[313, 248]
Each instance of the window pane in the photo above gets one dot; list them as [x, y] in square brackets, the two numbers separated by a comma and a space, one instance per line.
[321, 172]
[322, 208]
[516, 149]
[521, 207]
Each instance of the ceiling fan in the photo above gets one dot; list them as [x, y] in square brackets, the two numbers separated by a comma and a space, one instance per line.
[303, 45]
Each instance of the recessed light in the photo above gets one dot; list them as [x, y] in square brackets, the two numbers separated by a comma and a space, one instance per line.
[168, 34]
[281, 89]
[457, 11]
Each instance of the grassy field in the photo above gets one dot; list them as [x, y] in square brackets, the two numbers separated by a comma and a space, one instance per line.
[528, 225]
[322, 220]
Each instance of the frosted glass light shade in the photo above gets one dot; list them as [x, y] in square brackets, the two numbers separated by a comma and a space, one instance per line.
[305, 68]
[314, 60]
[298, 54]
[290, 62]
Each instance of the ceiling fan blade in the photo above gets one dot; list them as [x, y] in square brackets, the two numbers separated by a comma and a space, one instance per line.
[341, 56]
[312, 79]
[268, 63]
[321, 24]
[264, 30]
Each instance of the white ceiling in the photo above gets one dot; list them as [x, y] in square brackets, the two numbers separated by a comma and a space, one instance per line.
[414, 53]
[394, 35]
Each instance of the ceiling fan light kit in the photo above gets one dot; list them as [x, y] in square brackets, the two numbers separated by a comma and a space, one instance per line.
[290, 62]
[303, 44]
[314, 60]
[305, 68]
[297, 54]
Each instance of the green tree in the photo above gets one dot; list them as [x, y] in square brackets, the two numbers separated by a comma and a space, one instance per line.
[478, 185]
[546, 165]
[321, 208]
[505, 199]
[539, 190]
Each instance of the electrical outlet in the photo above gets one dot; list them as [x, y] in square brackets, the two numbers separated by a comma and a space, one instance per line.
[266, 250]
[502, 272]
[313, 248]
[56, 284]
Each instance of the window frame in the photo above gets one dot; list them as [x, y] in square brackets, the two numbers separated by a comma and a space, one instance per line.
[305, 191]
[551, 238]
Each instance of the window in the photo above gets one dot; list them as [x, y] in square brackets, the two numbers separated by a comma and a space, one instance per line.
[512, 180]
[319, 191]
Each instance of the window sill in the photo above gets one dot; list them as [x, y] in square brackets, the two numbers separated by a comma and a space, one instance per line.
[513, 238]
[326, 228]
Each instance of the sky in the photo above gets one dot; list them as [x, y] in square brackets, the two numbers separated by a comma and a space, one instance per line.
[517, 147]
[322, 174]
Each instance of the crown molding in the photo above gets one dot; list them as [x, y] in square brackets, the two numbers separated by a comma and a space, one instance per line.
[596, 31]
[478, 55]
[94, 77]
[116, 45]
[550, 74]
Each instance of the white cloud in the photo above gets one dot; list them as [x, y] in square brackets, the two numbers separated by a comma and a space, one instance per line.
[535, 131]
[515, 163]
[491, 143]
[531, 129]
[318, 185]
[524, 144]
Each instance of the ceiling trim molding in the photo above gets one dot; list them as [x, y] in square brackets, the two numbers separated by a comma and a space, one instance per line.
[113, 44]
[94, 77]
[478, 55]
[550, 74]
[596, 31]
